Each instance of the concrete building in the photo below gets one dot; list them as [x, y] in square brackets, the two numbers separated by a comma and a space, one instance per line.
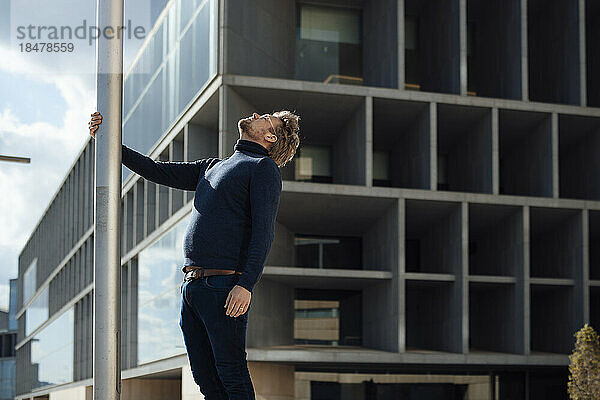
[8, 339]
[437, 229]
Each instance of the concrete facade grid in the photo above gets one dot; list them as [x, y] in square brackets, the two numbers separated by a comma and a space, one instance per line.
[538, 215]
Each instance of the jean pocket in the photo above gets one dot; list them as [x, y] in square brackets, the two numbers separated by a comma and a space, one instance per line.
[221, 282]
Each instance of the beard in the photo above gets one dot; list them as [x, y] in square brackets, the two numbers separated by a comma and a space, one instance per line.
[245, 126]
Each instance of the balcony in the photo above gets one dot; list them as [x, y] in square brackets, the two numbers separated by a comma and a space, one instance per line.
[464, 146]
[496, 241]
[324, 251]
[525, 140]
[553, 51]
[332, 131]
[578, 161]
[401, 144]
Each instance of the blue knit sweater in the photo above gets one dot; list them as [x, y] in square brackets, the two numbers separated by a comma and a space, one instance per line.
[235, 205]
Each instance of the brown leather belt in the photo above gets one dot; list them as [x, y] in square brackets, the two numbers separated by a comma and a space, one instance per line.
[194, 272]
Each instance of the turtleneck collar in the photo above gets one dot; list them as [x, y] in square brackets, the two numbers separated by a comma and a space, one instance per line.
[249, 145]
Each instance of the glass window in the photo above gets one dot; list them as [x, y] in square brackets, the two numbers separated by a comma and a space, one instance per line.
[194, 70]
[159, 334]
[30, 281]
[12, 307]
[52, 352]
[175, 65]
[7, 378]
[313, 164]
[7, 345]
[329, 47]
[329, 24]
[37, 312]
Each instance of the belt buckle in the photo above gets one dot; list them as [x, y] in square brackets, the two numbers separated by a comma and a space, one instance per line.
[189, 275]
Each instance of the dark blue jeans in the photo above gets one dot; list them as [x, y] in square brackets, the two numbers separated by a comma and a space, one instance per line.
[215, 342]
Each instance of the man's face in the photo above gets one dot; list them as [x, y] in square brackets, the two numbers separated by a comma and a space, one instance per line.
[257, 126]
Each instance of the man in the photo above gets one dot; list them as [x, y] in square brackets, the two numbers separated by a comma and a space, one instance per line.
[226, 244]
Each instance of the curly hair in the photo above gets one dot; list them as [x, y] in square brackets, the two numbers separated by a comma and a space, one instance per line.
[288, 140]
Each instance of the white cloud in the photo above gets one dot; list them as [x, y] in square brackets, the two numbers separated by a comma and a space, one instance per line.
[27, 189]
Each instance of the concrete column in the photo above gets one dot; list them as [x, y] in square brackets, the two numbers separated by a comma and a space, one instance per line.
[582, 275]
[368, 166]
[401, 270]
[495, 152]
[521, 287]
[462, 27]
[525, 282]
[401, 43]
[555, 156]
[223, 113]
[433, 146]
[582, 54]
[223, 40]
[232, 107]
[524, 53]
[462, 282]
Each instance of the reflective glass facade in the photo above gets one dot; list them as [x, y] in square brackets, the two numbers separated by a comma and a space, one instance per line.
[52, 352]
[176, 62]
[159, 335]
[329, 47]
[29, 281]
[7, 378]
[12, 305]
[37, 312]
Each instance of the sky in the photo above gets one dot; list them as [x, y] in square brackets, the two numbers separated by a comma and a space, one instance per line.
[45, 105]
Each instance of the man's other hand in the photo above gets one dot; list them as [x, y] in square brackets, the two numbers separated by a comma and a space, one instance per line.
[238, 301]
[95, 121]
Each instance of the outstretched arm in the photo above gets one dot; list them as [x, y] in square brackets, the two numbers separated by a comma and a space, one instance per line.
[175, 174]
[265, 192]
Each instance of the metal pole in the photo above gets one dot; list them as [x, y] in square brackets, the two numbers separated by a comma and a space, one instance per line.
[25, 160]
[107, 203]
